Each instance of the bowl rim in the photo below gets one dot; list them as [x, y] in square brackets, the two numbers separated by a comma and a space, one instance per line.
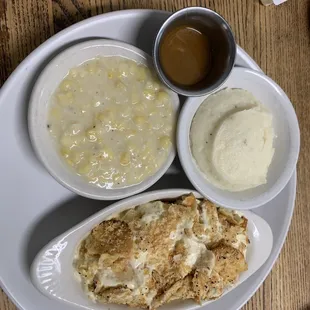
[191, 169]
[41, 152]
[162, 75]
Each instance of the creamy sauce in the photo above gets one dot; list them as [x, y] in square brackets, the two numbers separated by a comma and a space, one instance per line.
[112, 122]
[205, 217]
[151, 211]
[108, 278]
[241, 239]
[232, 140]
[195, 249]
[178, 234]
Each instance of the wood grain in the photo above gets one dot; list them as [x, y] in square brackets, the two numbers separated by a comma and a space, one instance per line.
[278, 38]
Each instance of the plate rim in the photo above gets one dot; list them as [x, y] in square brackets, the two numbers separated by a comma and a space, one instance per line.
[92, 20]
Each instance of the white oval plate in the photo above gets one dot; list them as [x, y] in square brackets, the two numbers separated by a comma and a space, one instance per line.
[35, 208]
[286, 142]
[53, 274]
[44, 88]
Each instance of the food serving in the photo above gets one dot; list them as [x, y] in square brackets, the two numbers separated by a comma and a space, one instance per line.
[238, 146]
[185, 55]
[112, 121]
[161, 251]
[232, 140]
[194, 51]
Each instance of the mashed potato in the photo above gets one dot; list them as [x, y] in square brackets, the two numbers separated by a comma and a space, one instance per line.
[231, 140]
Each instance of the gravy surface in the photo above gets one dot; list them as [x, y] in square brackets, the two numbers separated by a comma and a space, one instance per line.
[185, 55]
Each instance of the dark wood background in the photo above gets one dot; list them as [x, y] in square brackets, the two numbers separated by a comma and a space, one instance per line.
[278, 38]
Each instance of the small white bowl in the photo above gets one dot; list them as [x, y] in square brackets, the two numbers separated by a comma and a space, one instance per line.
[52, 271]
[45, 86]
[286, 143]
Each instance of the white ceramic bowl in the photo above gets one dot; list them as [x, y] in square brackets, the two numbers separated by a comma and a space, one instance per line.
[52, 271]
[286, 143]
[45, 86]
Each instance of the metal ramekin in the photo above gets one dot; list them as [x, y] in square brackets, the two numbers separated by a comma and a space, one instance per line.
[223, 48]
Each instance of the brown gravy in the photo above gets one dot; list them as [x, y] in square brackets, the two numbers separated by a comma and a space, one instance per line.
[185, 55]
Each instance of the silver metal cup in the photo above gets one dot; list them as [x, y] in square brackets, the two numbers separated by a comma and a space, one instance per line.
[222, 42]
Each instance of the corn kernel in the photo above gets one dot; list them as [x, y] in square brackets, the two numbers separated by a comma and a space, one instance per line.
[116, 176]
[93, 160]
[76, 157]
[65, 152]
[103, 180]
[67, 85]
[149, 85]
[74, 129]
[65, 99]
[133, 68]
[67, 141]
[152, 85]
[92, 135]
[163, 96]
[84, 169]
[69, 162]
[153, 110]
[105, 153]
[92, 68]
[130, 133]
[135, 96]
[126, 111]
[145, 153]
[125, 159]
[149, 94]
[70, 95]
[73, 72]
[156, 123]
[105, 116]
[141, 73]
[139, 120]
[78, 139]
[124, 69]
[119, 126]
[156, 86]
[112, 74]
[83, 73]
[131, 147]
[164, 142]
[121, 86]
[159, 103]
[139, 107]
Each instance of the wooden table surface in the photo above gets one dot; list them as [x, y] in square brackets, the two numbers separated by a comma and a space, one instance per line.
[278, 38]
